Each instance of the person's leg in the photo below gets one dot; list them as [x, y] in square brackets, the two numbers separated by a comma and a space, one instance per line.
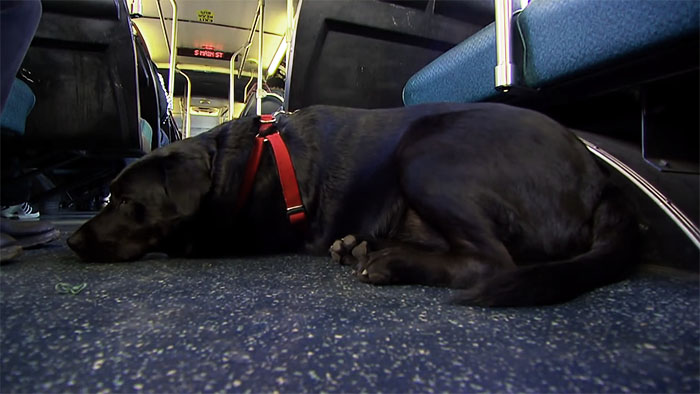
[18, 23]
[19, 20]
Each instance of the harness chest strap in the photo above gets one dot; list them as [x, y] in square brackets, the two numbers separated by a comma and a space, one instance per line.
[251, 169]
[285, 168]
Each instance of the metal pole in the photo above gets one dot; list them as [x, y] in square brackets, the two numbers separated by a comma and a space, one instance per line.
[290, 51]
[290, 29]
[232, 82]
[504, 66]
[188, 103]
[250, 40]
[173, 52]
[259, 94]
[245, 48]
[162, 25]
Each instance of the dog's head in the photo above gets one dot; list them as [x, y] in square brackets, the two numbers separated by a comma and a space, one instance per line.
[149, 200]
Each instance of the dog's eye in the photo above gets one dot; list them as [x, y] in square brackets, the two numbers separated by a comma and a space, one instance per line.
[123, 205]
[132, 209]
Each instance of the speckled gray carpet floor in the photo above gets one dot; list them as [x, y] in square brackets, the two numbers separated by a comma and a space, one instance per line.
[302, 324]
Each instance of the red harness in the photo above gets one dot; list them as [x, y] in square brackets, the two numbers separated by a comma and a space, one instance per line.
[285, 168]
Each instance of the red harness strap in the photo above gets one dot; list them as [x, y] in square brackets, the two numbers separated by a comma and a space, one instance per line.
[290, 187]
[250, 170]
[285, 168]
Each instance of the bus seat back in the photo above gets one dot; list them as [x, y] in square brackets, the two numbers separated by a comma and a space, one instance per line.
[83, 63]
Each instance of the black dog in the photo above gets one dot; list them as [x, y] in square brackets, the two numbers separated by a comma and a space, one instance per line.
[500, 201]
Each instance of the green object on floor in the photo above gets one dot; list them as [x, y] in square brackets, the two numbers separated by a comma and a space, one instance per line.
[67, 288]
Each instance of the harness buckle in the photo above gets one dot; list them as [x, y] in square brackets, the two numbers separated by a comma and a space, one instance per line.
[267, 119]
[295, 209]
[267, 123]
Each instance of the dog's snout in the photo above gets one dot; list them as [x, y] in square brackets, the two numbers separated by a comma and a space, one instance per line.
[76, 241]
[103, 246]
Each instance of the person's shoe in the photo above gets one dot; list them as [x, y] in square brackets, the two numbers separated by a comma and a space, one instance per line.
[9, 248]
[8, 211]
[30, 234]
[26, 212]
[22, 211]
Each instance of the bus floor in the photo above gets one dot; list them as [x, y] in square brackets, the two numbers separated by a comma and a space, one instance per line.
[294, 323]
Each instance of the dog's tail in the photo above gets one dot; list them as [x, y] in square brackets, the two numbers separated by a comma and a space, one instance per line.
[611, 258]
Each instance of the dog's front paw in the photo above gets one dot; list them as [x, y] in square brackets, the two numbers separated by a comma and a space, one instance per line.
[369, 266]
[341, 250]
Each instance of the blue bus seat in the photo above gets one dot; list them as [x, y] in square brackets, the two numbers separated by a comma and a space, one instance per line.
[564, 39]
[462, 74]
[146, 133]
[560, 40]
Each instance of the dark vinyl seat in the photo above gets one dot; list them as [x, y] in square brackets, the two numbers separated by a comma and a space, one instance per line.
[82, 61]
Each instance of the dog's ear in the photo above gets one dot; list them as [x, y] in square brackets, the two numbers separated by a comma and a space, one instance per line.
[186, 180]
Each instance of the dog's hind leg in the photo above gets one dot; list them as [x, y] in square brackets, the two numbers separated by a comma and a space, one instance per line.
[417, 254]
[394, 262]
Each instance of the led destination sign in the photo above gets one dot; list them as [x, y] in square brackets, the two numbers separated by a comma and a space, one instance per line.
[208, 53]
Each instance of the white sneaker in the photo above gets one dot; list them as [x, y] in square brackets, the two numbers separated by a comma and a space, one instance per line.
[22, 211]
[8, 211]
